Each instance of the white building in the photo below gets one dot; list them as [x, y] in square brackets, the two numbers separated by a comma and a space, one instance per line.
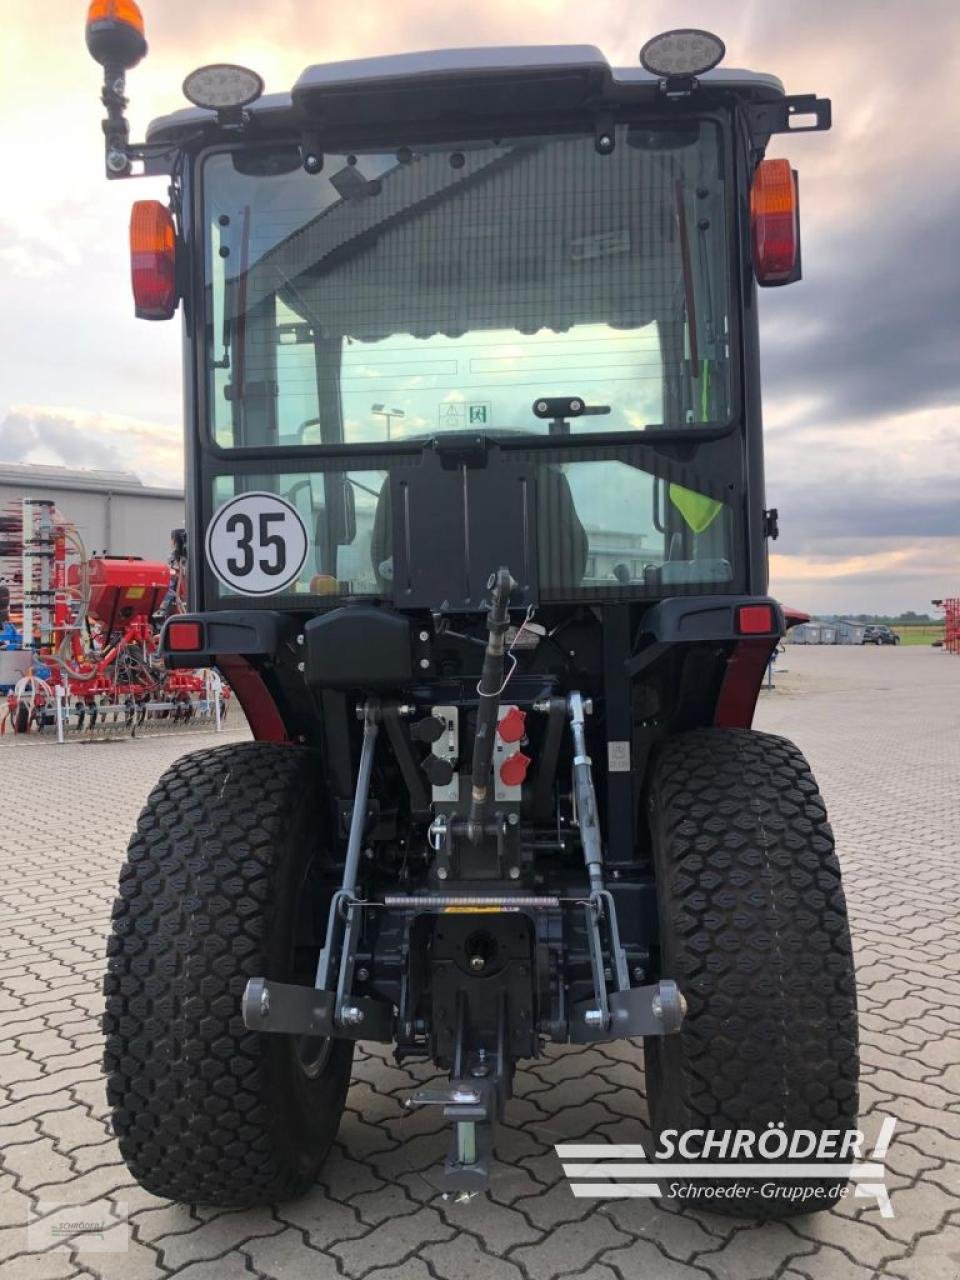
[112, 510]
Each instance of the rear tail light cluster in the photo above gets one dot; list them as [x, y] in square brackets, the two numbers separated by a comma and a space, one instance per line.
[774, 223]
[153, 260]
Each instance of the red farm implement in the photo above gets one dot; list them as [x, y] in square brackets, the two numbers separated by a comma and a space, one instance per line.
[951, 633]
[85, 657]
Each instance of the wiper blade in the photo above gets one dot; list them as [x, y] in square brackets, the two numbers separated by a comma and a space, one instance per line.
[690, 302]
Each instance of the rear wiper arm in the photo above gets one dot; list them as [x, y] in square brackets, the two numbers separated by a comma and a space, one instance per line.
[690, 301]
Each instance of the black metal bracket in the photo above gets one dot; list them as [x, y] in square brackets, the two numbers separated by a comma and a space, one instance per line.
[655, 1010]
[783, 115]
[306, 1011]
[400, 737]
[119, 151]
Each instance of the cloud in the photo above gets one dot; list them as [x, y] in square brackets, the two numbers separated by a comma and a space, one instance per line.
[882, 332]
[892, 476]
[79, 438]
[868, 575]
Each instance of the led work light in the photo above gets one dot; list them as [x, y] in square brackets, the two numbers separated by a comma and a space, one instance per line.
[221, 86]
[684, 52]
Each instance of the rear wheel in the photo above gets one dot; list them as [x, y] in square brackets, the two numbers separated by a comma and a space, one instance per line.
[225, 880]
[753, 927]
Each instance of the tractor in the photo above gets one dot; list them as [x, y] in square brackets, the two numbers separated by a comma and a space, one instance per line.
[477, 535]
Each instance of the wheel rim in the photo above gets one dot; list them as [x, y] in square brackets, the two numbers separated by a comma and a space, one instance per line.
[312, 1053]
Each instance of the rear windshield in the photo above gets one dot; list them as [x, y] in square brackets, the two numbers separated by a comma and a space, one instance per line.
[603, 529]
[399, 294]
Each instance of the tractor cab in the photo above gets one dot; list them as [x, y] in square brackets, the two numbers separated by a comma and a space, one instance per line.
[476, 514]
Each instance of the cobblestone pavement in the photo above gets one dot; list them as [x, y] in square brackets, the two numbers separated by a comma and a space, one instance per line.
[882, 729]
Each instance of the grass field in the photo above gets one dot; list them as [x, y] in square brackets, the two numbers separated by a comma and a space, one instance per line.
[919, 634]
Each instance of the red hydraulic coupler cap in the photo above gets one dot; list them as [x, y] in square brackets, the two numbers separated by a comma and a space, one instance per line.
[513, 725]
[514, 770]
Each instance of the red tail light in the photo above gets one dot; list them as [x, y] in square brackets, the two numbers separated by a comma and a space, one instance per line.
[153, 260]
[184, 637]
[755, 619]
[774, 222]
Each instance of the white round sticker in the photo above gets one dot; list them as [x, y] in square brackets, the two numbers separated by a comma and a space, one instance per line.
[257, 544]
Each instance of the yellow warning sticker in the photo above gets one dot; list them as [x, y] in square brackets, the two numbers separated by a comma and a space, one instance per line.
[476, 911]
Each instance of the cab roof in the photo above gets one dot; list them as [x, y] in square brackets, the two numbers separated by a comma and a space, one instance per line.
[473, 84]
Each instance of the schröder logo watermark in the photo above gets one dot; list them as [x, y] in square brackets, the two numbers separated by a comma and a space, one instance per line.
[100, 1226]
[714, 1165]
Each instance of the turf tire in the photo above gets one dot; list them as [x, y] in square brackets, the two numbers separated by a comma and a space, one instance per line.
[753, 927]
[211, 894]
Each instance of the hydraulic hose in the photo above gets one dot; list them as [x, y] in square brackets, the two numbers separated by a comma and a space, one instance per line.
[489, 689]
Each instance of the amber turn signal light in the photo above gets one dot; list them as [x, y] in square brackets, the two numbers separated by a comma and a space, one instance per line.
[153, 260]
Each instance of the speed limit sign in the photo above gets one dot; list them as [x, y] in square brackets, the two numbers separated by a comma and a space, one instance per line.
[257, 544]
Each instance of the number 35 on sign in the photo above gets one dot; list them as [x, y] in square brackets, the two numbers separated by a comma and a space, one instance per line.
[257, 544]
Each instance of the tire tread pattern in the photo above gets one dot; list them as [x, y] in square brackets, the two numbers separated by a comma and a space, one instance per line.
[193, 1093]
[751, 899]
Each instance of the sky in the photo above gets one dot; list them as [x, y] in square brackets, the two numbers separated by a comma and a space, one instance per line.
[861, 359]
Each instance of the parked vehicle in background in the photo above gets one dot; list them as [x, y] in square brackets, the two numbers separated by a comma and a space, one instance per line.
[880, 635]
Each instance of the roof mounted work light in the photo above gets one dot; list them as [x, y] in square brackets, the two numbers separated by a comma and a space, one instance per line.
[686, 51]
[115, 33]
[222, 86]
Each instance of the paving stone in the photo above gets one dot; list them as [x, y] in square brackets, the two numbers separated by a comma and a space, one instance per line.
[571, 1246]
[500, 1228]
[412, 1269]
[71, 1128]
[217, 1236]
[678, 1235]
[37, 1162]
[392, 1242]
[11, 1134]
[323, 1219]
[642, 1259]
[463, 1256]
[825, 1263]
[232, 1266]
[755, 1253]
[935, 1257]
[550, 1207]
[921, 1207]
[386, 1202]
[860, 1239]
[135, 1262]
[288, 1256]
[55, 1265]
[14, 1203]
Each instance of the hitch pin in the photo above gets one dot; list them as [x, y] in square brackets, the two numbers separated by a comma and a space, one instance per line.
[437, 833]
